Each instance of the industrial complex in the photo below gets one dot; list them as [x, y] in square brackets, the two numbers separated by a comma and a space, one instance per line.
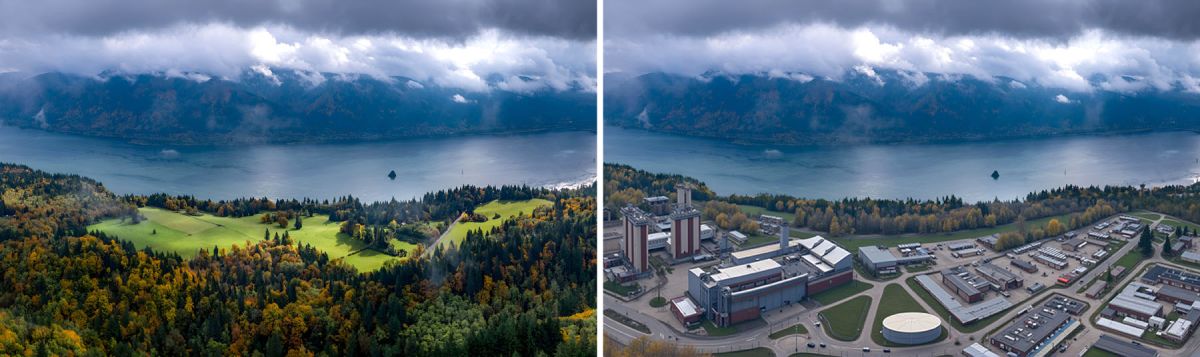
[1040, 298]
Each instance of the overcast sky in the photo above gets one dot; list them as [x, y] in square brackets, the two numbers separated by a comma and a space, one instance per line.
[1134, 45]
[458, 43]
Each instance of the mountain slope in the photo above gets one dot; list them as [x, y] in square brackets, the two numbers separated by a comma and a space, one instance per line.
[882, 106]
[278, 106]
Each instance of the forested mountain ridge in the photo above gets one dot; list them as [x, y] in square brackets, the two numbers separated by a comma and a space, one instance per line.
[279, 105]
[527, 287]
[885, 106]
[1078, 206]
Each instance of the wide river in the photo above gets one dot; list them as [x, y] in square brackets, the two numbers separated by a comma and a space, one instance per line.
[920, 171]
[311, 170]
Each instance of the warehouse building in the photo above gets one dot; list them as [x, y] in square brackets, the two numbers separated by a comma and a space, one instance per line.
[960, 246]
[1037, 331]
[1176, 295]
[1123, 348]
[1074, 244]
[1134, 301]
[1096, 289]
[1025, 265]
[880, 261]
[1000, 278]
[1190, 256]
[989, 241]
[1173, 277]
[965, 314]
[964, 289]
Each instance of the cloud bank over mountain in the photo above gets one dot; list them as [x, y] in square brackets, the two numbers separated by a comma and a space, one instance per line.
[1075, 45]
[517, 46]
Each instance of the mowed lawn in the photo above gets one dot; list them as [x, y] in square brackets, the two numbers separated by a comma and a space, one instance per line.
[506, 209]
[186, 235]
[756, 210]
[894, 300]
[845, 321]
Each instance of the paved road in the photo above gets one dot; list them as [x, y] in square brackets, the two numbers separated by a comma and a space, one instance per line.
[429, 250]
[759, 337]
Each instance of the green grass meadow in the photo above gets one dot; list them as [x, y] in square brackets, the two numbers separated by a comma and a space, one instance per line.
[845, 321]
[186, 235]
[506, 209]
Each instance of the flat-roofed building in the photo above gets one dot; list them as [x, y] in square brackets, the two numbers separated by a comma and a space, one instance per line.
[1123, 348]
[737, 237]
[1000, 277]
[1025, 265]
[1182, 328]
[659, 205]
[1074, 244]
[1036, 331]
[960, 246]
[965, 314]
[685, 225]
[1174, 277]
[657, 240]
[686, 311]
[1118, 271]
[637, 234]
[1096, 289]
[685, 232]
[1129, 303]
[1184, 242]
[1176, 295]
[977, 350]
[738, 293]
[1190, 256]
[878, 261]
[957, 285]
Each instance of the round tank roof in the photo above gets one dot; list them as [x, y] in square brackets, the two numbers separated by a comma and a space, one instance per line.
[911, 322]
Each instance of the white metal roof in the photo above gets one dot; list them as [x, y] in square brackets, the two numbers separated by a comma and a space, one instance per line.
[977, 350]
[911, 322]
[1120, 327]
[741, 270]
[686, 306]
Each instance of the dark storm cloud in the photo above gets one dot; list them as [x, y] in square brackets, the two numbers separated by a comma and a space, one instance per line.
[574, 19]
[1057, 19]
[1074, 45]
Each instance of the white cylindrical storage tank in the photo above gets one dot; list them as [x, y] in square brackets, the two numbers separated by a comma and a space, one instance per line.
[912, 328]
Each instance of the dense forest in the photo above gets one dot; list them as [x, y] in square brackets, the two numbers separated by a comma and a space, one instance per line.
[847, 216]
[882, 106]
[525, 288]
[282, 107]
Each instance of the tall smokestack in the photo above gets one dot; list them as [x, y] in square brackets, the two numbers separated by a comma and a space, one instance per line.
[683, 195]
[783, 236]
